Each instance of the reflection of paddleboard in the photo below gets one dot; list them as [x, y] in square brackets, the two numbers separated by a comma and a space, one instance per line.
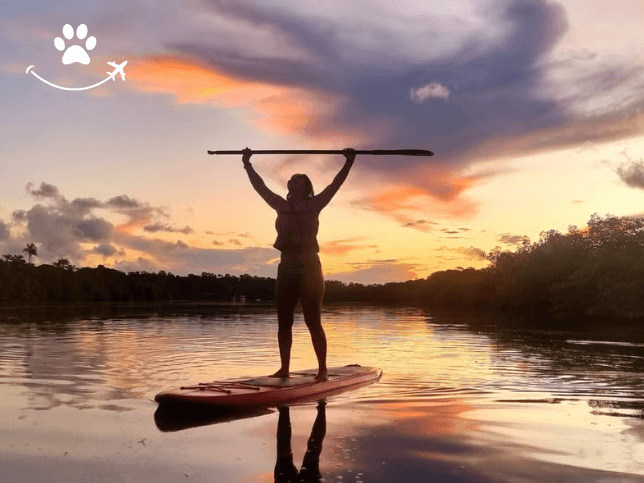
[177, 417]
[271, 391]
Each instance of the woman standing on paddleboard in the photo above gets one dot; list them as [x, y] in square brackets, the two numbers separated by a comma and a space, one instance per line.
[299, 275]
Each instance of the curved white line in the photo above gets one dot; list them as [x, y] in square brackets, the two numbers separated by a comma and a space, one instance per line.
[68, 88]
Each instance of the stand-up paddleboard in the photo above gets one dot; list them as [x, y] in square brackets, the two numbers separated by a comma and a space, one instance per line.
[271, 391]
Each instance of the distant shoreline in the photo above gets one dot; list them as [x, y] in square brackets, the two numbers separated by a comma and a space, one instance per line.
[591, 274]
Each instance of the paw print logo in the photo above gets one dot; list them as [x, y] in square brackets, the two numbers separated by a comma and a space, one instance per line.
[75, 53]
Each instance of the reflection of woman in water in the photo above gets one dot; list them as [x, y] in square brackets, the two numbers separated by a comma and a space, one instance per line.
[299, 275]
[285, 470]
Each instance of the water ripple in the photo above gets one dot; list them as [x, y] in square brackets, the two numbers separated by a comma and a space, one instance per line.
[88, 362]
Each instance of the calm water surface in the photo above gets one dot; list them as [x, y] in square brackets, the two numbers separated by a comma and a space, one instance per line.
[461, 399]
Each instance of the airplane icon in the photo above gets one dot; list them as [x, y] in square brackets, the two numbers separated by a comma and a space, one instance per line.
[118, 69]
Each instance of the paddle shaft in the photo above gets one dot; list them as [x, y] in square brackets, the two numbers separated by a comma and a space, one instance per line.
[377, 152]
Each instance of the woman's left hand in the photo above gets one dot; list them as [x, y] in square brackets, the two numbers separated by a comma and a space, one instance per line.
[350, 154]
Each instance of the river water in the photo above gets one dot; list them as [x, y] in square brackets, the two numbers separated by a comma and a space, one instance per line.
[462, 399]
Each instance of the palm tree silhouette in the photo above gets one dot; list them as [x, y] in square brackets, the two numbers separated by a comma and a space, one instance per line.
[14, 259]
[64, 263]
[31, 251]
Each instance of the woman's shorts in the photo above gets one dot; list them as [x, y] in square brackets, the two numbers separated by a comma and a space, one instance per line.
[300, 278]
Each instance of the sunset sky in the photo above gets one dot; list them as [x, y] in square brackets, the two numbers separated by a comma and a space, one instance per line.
[533, 108]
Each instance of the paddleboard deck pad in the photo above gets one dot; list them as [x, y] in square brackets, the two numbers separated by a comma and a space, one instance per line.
[271, 391]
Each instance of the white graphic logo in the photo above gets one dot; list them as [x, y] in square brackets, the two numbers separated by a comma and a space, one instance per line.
[78, 54]
[75, 53]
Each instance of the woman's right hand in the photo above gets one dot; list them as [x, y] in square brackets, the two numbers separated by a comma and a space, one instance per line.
[246, 154]
[350, 154]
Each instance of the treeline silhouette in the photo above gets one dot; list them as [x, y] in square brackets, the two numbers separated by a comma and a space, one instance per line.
[25, 283]
[595, 272]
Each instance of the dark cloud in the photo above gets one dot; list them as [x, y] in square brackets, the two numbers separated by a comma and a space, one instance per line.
[107, 250]
[471, 253]
[139, 213]
[19, 216]
[482, 90]
[58, 231]
[632, 173]
[4, 231]
[179, 257]
[85, 205]
[74, 230]
[513, 239]
[318, 41]
[248, 238]
[94, 229]
[164, 227]
[45, 191]
[243, 235]
[123, 202]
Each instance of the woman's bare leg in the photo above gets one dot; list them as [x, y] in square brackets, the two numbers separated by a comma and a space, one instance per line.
[286, 297]
[312, 295]
[318, 337]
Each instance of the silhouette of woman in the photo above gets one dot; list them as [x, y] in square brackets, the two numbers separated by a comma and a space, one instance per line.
[299, 275]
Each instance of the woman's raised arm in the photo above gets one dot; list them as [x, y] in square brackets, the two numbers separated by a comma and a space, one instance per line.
[322, 199]
[274, 200]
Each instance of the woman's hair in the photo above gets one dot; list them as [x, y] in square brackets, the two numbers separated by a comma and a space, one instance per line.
[308, 188]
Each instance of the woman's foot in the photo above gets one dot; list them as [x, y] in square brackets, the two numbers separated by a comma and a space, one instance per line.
[281, 373]
[323, 375]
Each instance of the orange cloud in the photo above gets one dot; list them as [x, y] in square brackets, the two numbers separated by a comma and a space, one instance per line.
[442, 184]
[281, 109]
[193, 82]
[404, 203]
[127, 228]
[340, 247]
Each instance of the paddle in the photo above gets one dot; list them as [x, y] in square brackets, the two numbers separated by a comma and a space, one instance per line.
[377, 152]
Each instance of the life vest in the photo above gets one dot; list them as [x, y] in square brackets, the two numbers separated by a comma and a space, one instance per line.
[297, 230]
